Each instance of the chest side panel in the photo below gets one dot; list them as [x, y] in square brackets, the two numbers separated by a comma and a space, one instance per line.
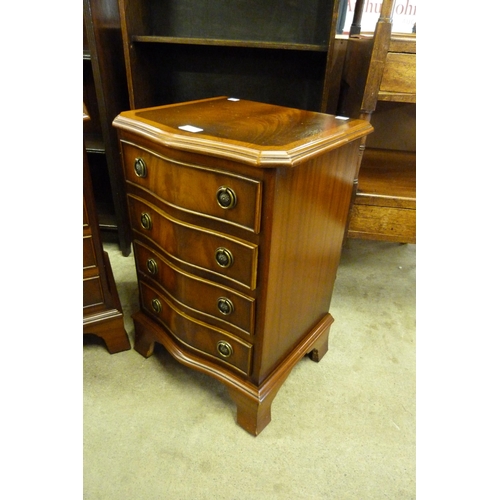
[309, 206]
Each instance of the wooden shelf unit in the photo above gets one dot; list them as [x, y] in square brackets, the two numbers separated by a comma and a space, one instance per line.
[105, 94]
[279, 53]
[379, 77]
[385, 203]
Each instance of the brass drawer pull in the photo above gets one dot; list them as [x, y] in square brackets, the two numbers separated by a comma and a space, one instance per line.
[225, 306]
[224, 348]
[226, 197]
[156, 305]
[152, 266]
[146, 221]
[140, 168]
[224, 257]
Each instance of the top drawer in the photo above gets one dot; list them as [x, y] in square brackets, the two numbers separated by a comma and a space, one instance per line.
[207, 192]
[400, 72]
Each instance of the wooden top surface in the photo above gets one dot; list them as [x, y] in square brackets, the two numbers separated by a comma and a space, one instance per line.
[258, 134]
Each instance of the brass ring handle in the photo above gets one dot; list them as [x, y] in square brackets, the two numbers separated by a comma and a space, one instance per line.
[152, 266]
[224, 348]
[224, 257]
[146, 221]
[156, 305]
[226, 197]
[140, 168]
[225, 306]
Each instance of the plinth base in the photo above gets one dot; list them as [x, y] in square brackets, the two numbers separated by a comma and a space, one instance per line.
[253, 402]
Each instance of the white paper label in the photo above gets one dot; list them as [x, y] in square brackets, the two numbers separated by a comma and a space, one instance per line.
[190, 128]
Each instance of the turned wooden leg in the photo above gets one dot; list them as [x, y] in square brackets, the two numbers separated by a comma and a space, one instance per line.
[320, 347]
[144, 343]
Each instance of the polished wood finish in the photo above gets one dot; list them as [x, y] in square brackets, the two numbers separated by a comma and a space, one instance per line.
[102, 312]
[105, 95]
[399, 77]
[276, 52]
[382, 69]
[385, 205]
[291, 173]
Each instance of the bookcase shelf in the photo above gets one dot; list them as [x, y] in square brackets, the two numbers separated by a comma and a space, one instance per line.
[105, 95]
[379, 84]
[274, 52]
[231, 43]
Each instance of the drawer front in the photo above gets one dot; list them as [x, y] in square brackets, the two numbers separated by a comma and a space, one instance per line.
[207, 192]
[89, 259]
[215, 304]
[200, 336]
[85, 214]
[92, 292]
[399, 73]
[221, 255]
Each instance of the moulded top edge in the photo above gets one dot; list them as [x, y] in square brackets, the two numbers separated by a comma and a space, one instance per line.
[254, 133]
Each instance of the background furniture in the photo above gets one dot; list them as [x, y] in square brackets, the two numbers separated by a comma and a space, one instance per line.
[238, 211]
[284, 53]
[267, 51]
[379, 84]
[102, 313]
[105, 95]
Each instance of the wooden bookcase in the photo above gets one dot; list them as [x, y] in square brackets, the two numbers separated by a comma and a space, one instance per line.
[379, 85]
[105, 95]
[275, 52]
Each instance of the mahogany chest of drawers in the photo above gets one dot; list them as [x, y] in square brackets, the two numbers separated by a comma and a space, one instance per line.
[102, 311]
[238, 211]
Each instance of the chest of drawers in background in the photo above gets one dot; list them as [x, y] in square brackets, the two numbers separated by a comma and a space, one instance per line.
[238, 211]
[102, 311]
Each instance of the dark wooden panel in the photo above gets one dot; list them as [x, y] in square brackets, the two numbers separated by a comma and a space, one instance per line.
[91, 128]
[92, 292]
[278, 20]
[179, 73]
[100, 179]
[89, 258]
[105, 94]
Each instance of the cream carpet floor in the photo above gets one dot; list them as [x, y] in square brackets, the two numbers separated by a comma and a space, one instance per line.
[341, 429]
